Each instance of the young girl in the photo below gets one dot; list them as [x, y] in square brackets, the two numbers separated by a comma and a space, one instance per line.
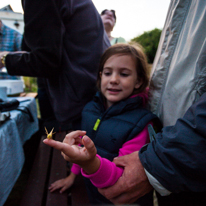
[116, 121]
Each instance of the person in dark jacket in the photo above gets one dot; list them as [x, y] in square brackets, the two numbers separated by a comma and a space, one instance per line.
[116, 120]
[65, 40]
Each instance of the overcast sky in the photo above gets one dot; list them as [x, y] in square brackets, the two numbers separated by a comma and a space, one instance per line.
[134, 17]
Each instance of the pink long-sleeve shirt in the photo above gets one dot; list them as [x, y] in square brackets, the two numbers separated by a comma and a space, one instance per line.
[108, 173]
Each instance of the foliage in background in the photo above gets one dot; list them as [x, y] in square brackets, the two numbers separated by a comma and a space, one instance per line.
[30, 84]
[149, 40]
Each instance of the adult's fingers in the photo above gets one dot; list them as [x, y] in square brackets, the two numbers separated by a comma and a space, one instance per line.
[124, 200]
[133, 183]
[114, 191]
[120, 161]
[121, 187]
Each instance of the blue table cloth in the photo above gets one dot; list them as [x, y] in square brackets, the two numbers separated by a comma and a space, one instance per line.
[13, 134]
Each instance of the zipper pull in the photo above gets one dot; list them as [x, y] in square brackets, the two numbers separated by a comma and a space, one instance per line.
[96, 125]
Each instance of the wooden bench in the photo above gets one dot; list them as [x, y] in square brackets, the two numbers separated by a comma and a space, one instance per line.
[48, 167]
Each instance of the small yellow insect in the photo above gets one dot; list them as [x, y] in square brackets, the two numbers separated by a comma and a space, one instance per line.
[49, 135]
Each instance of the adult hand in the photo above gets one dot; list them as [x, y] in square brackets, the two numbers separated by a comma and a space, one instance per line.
[133, 183]
[6, 52]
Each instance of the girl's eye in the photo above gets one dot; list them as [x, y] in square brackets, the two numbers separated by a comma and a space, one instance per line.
[107, 73]
[124, 74]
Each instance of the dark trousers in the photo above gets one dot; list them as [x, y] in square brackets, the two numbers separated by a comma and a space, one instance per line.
[183, 199]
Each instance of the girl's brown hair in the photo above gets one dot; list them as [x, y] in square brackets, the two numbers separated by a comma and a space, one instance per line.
[137, 53]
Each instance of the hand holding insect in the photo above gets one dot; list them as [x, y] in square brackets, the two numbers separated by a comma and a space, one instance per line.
[49, 135]
[72, 152]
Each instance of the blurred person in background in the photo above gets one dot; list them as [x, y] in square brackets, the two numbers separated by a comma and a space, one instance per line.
[10, 40]
[109, 21]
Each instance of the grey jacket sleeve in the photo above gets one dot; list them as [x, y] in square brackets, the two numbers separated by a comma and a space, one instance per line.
[179, 72]
[176, 158]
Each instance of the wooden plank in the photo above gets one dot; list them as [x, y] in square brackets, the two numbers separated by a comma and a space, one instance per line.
[58, 171]
[78, 193]
[35, 189]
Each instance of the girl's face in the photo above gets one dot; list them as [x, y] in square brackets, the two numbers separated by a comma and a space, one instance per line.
[119, 78]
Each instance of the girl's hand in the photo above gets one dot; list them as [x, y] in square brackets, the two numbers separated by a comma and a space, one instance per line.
[63, 183]
[83, 156]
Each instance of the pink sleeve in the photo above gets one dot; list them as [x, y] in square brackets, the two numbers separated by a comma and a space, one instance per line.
[108, 173]
[76, 169]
